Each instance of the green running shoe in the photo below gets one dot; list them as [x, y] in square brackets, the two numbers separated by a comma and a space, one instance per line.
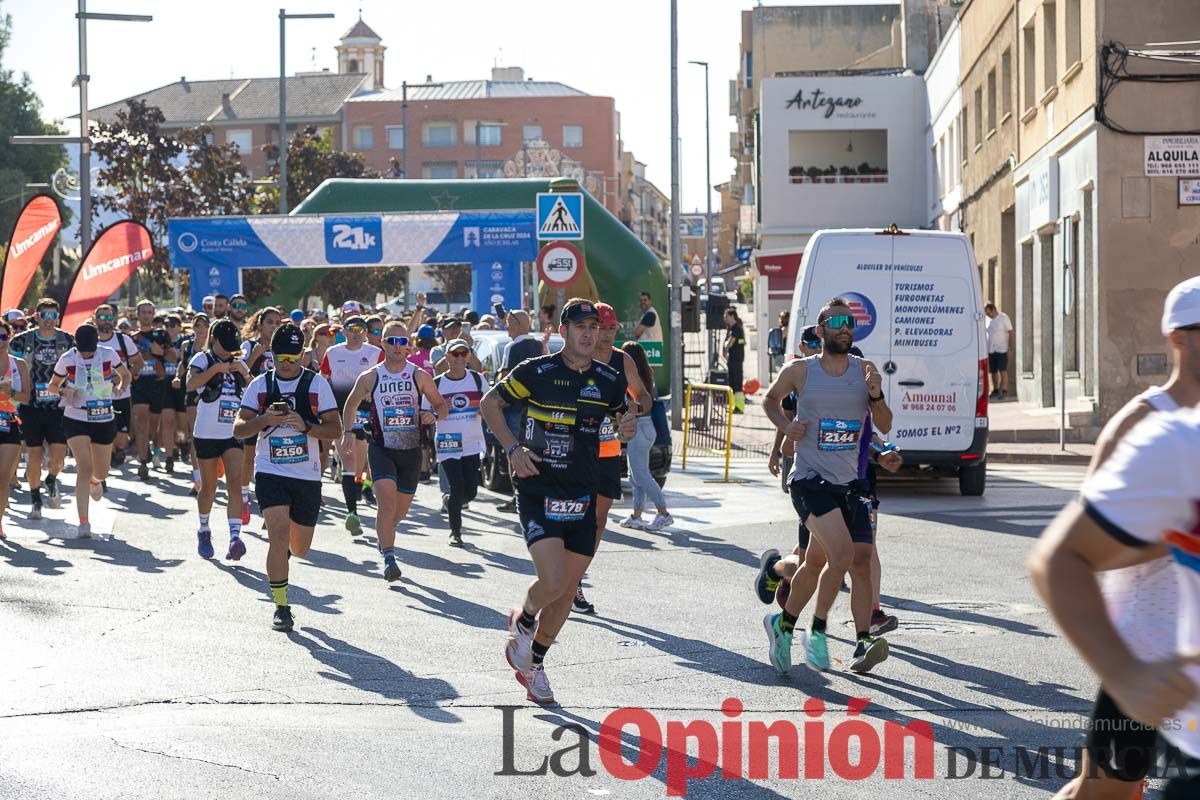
[869, 652]
[781, 643]
[816, 651]
[353, 525]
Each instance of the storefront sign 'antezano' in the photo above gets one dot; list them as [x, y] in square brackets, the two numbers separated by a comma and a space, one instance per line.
[818, 100]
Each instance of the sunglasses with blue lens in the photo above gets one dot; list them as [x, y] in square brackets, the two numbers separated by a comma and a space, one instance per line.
[397, 341]
[838, 321]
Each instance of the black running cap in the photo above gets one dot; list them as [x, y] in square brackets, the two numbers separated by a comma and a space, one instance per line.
[578, 312]
[288, 340]
[225, 333]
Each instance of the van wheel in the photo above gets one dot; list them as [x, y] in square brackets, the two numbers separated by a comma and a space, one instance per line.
[971, 480]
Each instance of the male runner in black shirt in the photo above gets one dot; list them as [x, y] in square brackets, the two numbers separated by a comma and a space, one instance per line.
[555, 461]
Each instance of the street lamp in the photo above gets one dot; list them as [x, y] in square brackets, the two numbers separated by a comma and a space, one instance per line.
[404, 87]
[708, 233]
[83, 139]
[283, 140]
[478, 148]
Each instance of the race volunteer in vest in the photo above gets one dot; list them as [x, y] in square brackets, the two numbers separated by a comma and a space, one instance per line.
[833, 394]
[608, 490]
[555, 462]
[394, 389]
[156, 349]
[15, 386]
[290, 409]
[219, 377]
[458, 440]
[87, 377]
[341, 366]
[256, 352]
[174, 402]
[127, 352]
[41, 413]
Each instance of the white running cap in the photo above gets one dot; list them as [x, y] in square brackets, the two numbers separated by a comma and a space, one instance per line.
[1182, 307]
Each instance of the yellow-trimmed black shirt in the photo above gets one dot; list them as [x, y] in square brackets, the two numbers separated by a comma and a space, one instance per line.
[561, 414]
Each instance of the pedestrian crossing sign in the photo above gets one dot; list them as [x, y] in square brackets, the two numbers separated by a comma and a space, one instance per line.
[560, 215]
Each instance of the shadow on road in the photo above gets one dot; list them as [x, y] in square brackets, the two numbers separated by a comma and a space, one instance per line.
[453, 608]
[297, 595]
[967, 616]
[27, 558]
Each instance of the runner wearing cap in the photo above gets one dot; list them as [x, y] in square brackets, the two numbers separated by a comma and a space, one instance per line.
[87, 377]
[458, 440]
[564, 399]
[297, 315]
[41, 413]
[341, 366]
[256, 352]
[15, 385]
[393, 390]
[206, 305]
[289, 409]
[126, 349]
[218, 377]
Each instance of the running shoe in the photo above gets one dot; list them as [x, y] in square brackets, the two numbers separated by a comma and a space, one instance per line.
[519, 648]
[636, 523]
[117, 458]
[445, 503]
[237, 549]
[95, 490]
[245, 510]
[353, 525]
[195, 490]
[53, 497]
[282, 620]
[537, 685]
[391, 571]
[369, 493]
[510, 506]
[204, 544]
[456, 539]
[580, 604]
[85, 530]
[660, 521]
[143, 471]
[868, 653]
[156, 457]
[780, 651]
[816, 649]
[765, 582]
[171, 464]
[882, 623]
[781, 594]
[35, 511]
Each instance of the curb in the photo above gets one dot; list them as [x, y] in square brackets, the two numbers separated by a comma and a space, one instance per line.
[1076, 459]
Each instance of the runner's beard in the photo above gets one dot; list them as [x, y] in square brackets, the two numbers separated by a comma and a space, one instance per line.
[834, 345]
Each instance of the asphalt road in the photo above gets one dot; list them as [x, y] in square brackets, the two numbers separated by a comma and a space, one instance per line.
[133, 668]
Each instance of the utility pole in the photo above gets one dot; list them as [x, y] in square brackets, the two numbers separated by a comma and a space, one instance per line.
[404, 87]
[708, 220]
[283, 137]
[676, 245]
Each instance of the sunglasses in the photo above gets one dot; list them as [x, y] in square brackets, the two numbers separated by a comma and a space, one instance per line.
[812, 345]
[397, 341]
[48, 314]
[3, 337]
[376, 331]
[460, 354]
[287, 358]
[241, 306]
[105, 317]
[838, 321]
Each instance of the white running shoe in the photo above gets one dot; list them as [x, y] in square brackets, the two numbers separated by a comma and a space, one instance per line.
[537, 685]
[85, 530]
[519, 649]
[661, 521]
[637, 523]
[96, 490]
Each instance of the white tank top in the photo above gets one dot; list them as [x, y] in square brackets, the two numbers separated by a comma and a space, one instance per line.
[395, 408]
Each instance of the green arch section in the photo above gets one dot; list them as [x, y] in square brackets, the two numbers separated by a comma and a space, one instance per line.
[619, 266]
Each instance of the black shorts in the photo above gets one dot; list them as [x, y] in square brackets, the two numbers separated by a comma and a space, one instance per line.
[98, 432]
[997, 362]
[148, 391]
[608, 484]
[41, 425]
[815, 495]
[402, 467]
[303, 498]
[1122, 748]
[215, 448]
[574, 521]
[174, 399]
[10, 433]
[123, 411]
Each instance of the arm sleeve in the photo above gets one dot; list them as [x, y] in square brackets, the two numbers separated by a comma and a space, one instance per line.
[515, 386]
[1145, 491]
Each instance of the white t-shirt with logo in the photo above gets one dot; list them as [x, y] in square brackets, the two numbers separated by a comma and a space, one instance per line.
[95, 376]
[215, 420]
[342, 366]
[125, 348]
[1148, 491]
[997, 332]
[461, 432]
[284, 450]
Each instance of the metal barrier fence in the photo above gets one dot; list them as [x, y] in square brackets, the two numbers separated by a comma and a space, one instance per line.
[708, 421]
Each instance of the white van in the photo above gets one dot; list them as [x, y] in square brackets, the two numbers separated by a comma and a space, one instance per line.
[919, 316]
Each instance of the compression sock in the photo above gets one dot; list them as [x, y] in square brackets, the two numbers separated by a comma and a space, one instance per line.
[539, 652]
[37, 496]
[389, 554]
[818, 624]
[349, 492]
[787, 622]
[527, 620]
[235, 528]
[50, 479]
[279, 592]
[204, 522]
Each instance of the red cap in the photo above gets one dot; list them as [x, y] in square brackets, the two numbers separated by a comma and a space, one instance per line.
[608, 316]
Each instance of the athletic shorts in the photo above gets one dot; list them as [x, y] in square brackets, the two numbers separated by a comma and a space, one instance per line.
[303, 498]
[13, 433]
[123, 411]
[174, 399]
[402, 467]
[1123, 748]
[815, 495]
[359, 433]
[215, 448]
[997, 362]
[98, 432]
[148, 391]
[608, 483]
[571, 519]
[41, 425]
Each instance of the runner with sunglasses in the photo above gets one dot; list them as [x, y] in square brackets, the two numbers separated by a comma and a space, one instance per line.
[394, 389]
[125, 348]
[156, 350]
[341, 366]
[87, 377]
[15, 385]
[288, 409]
[239, 307]
[257, 336]
[41, 413]
[834, 392]
[458, 438]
